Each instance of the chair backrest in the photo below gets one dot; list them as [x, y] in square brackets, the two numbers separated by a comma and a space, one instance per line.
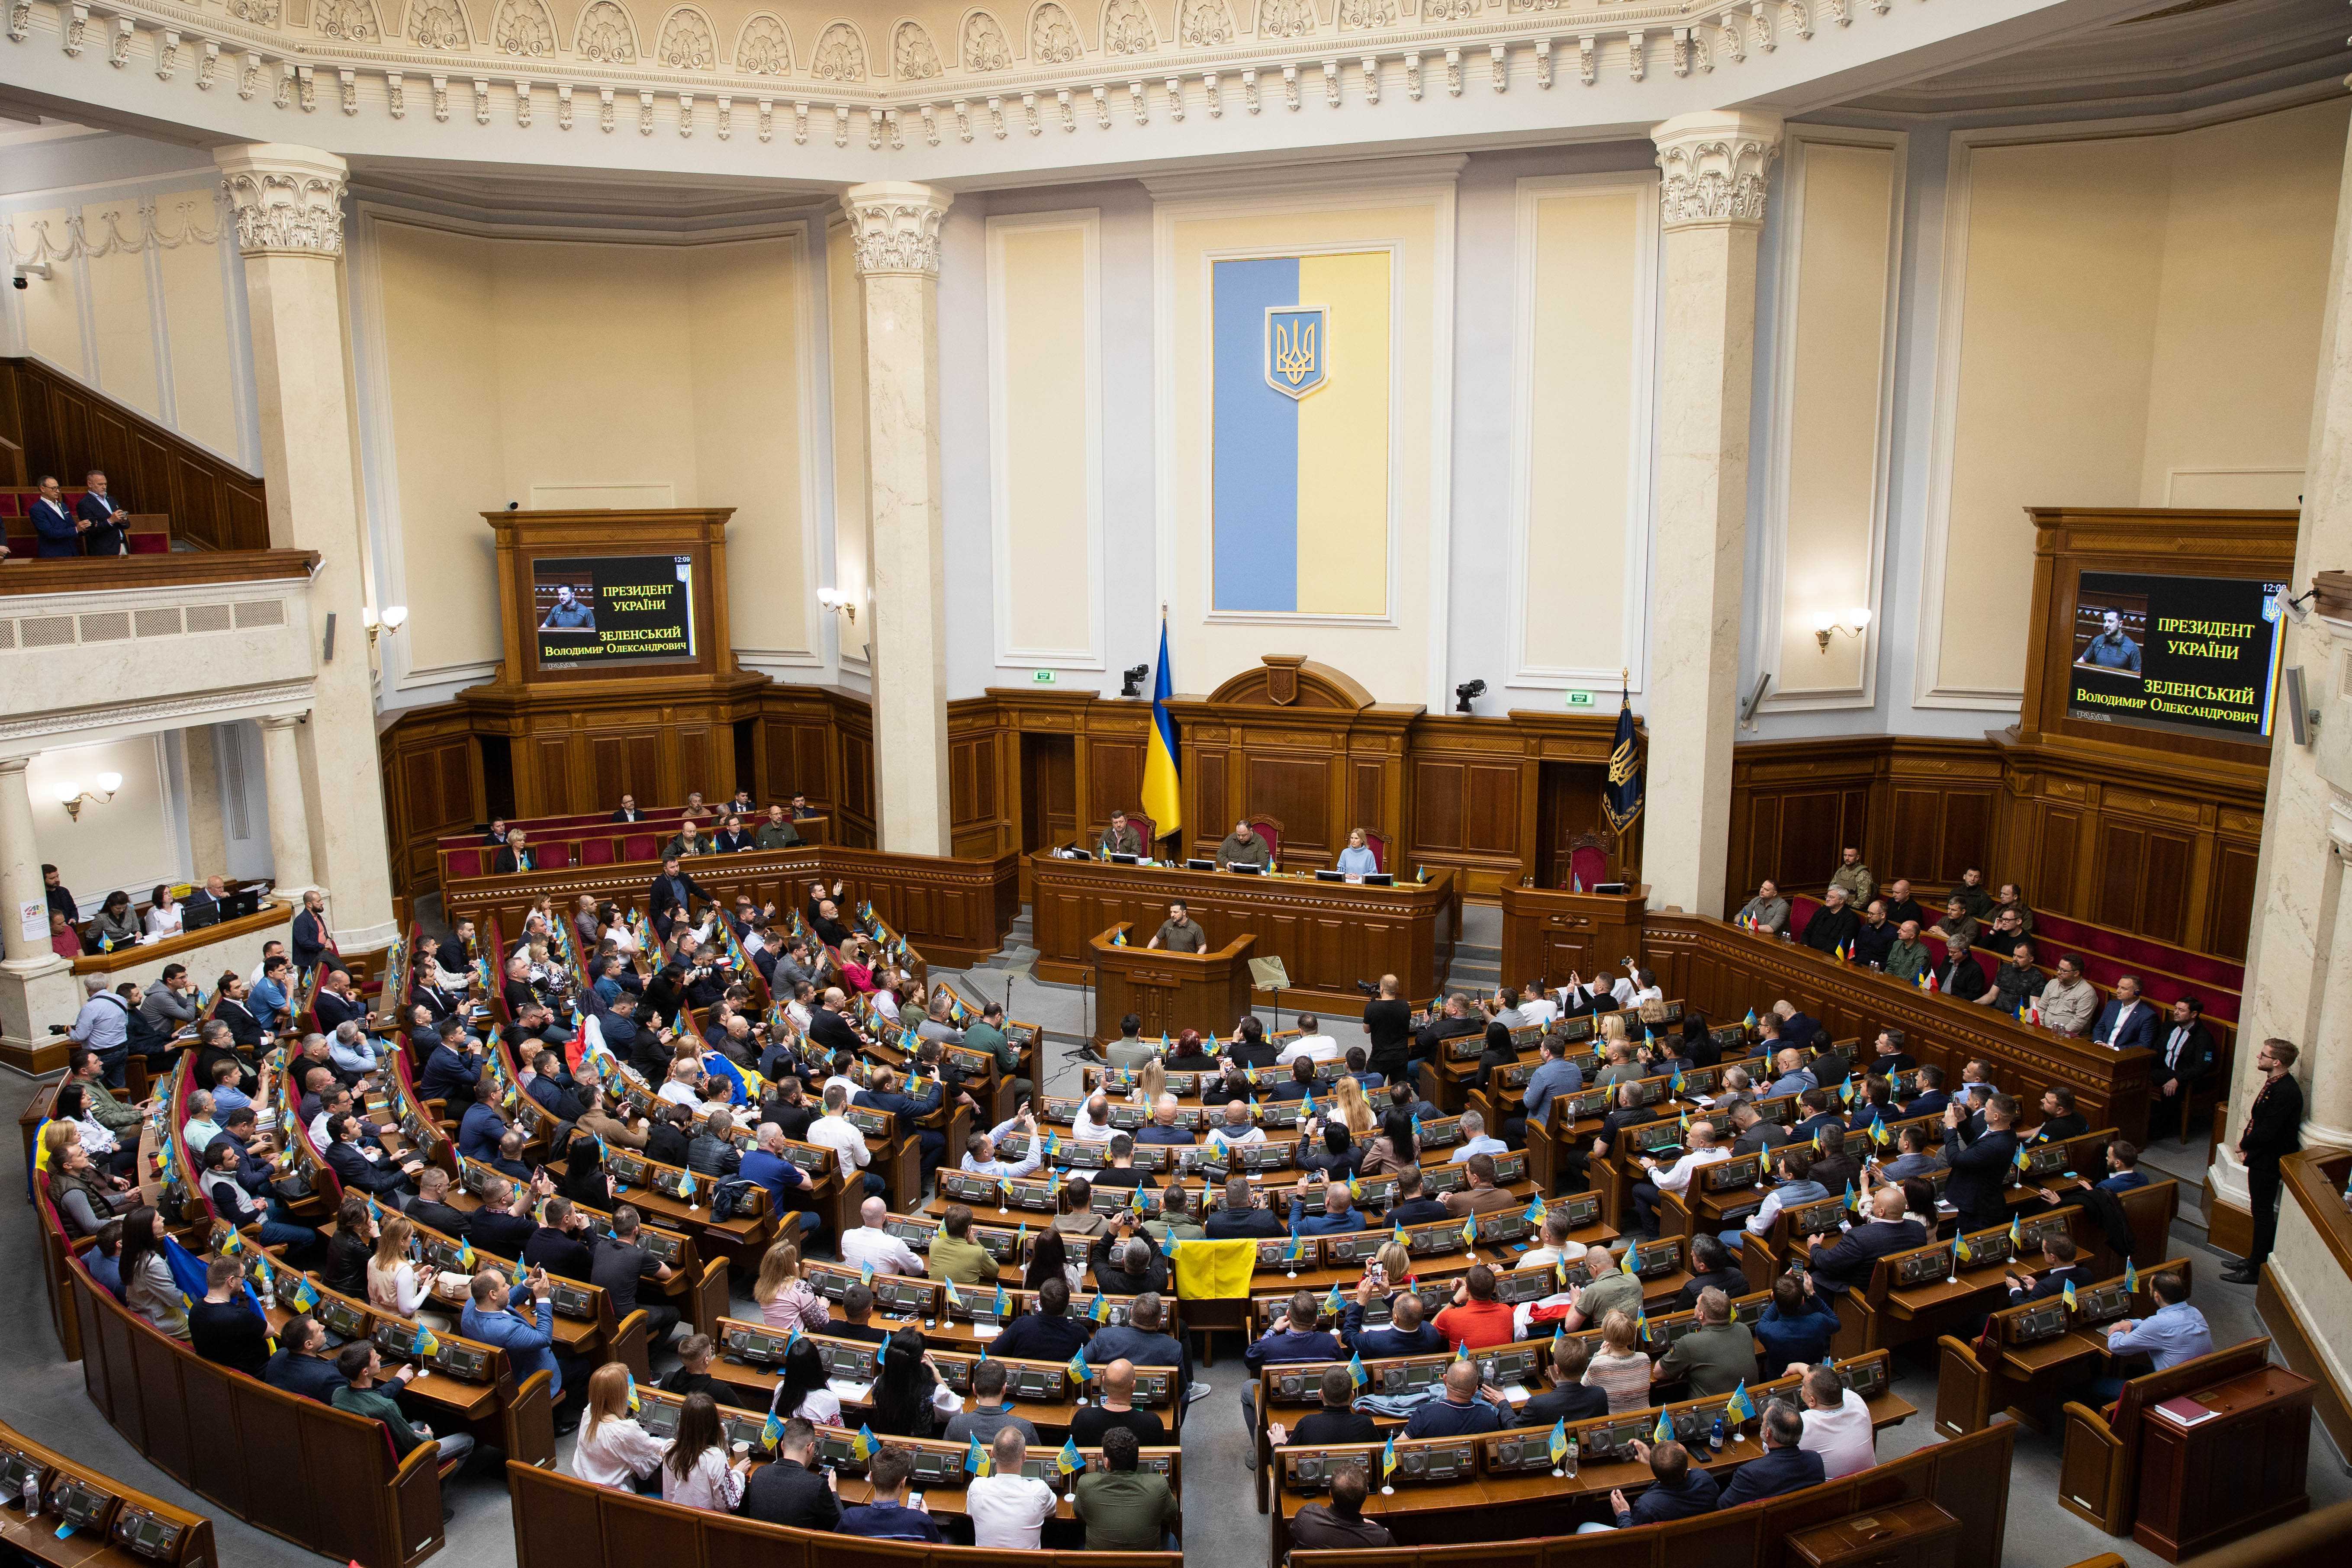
[1268, 828]
[1377, 844]
[1588, 862]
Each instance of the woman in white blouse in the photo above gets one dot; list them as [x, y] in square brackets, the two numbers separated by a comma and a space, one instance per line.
[697, 1473]
[786, 1300]
[614, 1450]
[392, 1285]
[162, 913]
[618, 931]
[803, 1389]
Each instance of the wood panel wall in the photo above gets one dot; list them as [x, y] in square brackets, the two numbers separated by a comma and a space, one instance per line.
[65, 428]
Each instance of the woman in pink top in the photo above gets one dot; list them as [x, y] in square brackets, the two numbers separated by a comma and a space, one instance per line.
[786, 1300]
[855, 971]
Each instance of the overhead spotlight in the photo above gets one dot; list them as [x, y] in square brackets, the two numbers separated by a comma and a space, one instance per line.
[1132, 680]
[1463, 693]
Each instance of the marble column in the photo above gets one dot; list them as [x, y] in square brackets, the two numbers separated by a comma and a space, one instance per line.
[290, 226]
[36, 985]
[289, 821]
[1712, 206]
[895, 231]
[2299, 953]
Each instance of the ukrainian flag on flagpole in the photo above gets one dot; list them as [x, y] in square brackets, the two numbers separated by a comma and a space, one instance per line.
[1162, 801]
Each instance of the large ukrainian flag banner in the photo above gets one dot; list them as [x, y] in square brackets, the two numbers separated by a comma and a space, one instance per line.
[1299, 498]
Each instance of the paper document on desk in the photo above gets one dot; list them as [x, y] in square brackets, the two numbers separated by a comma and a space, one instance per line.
[849, 1393]
[986, 1331]
[1517, 1392]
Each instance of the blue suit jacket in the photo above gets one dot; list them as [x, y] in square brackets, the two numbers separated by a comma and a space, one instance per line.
[1779, 1470]
[478, 1131]
[2139, 1030]
[1696, 1495]
[531, 1348]
[55, 524]
[447, 1072]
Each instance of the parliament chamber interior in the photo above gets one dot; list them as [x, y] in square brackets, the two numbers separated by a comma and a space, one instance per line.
[894, 812]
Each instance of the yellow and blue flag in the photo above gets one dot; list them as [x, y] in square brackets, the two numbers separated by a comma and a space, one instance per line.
[1069, 1461]
[1388, 1457]
[2131, 1276]
[1079, 1371]
[1559, 1440]
[1356, 1373]
[772, 1430]
[2067, 1294]
[1740, 1407]
[1664, 1430]
[975, 1458]
[862, 1447]
[1162, 801]
[633, 1393]
[2016, 1235]
[1299, 441]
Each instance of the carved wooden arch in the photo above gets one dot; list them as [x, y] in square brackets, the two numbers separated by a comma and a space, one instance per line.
[1294, 681]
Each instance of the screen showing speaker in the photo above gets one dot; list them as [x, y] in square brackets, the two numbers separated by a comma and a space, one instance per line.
[2196, 655]
[595, 610]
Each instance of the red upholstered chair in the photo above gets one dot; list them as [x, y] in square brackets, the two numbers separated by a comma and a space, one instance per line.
[555, 855]
[596, 852]
[1270, 830]
[1379, 844]
[1588, 862]
[640, 846]
[466, 862]
[1141, 822]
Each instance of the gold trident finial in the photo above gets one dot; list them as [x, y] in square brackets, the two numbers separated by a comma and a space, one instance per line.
[1294, 351]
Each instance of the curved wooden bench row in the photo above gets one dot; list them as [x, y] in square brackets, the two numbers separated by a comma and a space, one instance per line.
[562, 1522]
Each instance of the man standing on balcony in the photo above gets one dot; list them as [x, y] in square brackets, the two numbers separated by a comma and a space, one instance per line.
[108, 526]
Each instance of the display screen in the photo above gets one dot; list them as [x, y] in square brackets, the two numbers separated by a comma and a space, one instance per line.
[596, 610]
[2198, 654]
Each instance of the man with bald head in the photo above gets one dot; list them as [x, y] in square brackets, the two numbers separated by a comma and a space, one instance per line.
[1466, 1409]
[1237, 1127]
[1115, 1385]
[1339, 1214]
[1659, 1180]
[1845, 1263]
[1610, 1289]
[829, 1026]
[869, 1243]
[1162, 1128]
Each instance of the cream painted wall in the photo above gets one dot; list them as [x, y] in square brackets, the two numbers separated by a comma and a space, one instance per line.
[1045, 406]
[132, 842]
[1588, 289]
[1404, 659]
[1826, 474]
[2129, 308]
[505, 363]
[49, 313]
[846, 316]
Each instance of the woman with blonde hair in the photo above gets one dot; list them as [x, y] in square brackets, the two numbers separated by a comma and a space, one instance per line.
[786, 1300]
[1613, 1029]
[1395, 1264]
[1151, 1083]
[1618, 1368]
[1354, 1110]
[614, 1450]
[392, 1285]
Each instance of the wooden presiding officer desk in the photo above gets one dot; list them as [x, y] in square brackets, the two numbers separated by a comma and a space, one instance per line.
[1500, 1485]
[1328, 934]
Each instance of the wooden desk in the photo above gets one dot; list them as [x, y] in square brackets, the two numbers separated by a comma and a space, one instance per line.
[1171, 992]
[1329, 935]
[176, 1538]
[2238, 1473]
[1550, 933]
[1912, 1534]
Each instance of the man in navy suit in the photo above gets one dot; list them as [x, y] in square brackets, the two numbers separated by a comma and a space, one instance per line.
[1931, 1098]
[1981, 1162]
[1785, 1467]
[59, 530]
[2125, 1021]
[1846, 1265]
[108, 530]
[673, 895]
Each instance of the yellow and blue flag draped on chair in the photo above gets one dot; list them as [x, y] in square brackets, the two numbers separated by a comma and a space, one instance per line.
[1162, 800]
[1301, 428]
[1620, 797]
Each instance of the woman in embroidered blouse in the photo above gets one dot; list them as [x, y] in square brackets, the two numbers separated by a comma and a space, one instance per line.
[786, 1300]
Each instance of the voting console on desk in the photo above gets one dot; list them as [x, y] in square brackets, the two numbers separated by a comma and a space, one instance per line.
[848, 1360]
[1655, 1260]
[1380, 1311]
[915, 1231]
[395, 1341]
[665, 1247]
[2045, 1320]
[1426, 1461]
[135, 1529]
[2043, 1160]
[748, 1345]
[657, 1412]
[1740, 1171]
[2032, 1233]
[963, 1187]
[1513, 1286]
[2103, 1304]
[1821, 1218]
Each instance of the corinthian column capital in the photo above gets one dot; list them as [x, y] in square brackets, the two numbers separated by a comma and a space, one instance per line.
[894, 226]
[288, 200]
[1714, 164]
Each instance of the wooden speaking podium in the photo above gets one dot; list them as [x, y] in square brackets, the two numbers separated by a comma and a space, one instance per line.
[1171, 992]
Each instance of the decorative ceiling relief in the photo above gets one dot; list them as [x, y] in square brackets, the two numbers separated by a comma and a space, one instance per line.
[1285, 18]
[438, 24]
[764, 47]
[1126, 28]
[840, 55]
[1358, 13]
[912, 56]
[353, 21]
[985, 45]
[1203, 23]
[523, 30]
[606, 35]
[687, 42]
[1052, 37]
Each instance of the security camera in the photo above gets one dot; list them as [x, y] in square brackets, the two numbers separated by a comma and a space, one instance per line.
[32, 270]
[2284, 604]
[1463, 693]
[1131, 679]
[514, 506]
[21, 281]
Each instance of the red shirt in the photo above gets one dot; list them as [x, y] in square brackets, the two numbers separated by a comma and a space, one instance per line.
[65, 944]
[1478, 1324]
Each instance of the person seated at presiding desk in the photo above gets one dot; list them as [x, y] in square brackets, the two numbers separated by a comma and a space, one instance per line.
[1242, 847]
[1120, 838]
[1876, 937]
[1767, 911]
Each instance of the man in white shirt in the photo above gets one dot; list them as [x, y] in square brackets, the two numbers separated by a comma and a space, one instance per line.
[1837, 1425]
[869, 1243]
[1092, 1123]
[1675, 1178]
[1539, 1008]
[684, 1085]
[841, 1135]
[1475, 1140]
[1312, 1043]
[1007, 1509]
[1236, 1128]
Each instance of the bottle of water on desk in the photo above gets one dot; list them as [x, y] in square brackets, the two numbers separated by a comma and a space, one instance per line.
[1715, 1436]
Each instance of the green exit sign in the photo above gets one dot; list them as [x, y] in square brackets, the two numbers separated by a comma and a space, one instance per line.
[1580, 699]
[1042, 677]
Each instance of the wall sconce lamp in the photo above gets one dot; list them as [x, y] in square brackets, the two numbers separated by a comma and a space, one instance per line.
[1850, 622]
[71, 796]
[391, 620]
[835, 600]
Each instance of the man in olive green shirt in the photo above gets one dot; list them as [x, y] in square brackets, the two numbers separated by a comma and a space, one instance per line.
[1244, 847]
[1856, 878]
[777, 832]
[955, 1255]
[1715, 1357]
[1121, 837]
[362, 1393]
[1124, 1509]
[1178, 932]
[1906, 959]
[988, 1035]
[687, 843]
[1611, 1290]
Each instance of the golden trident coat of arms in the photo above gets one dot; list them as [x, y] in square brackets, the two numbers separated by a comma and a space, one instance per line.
[1298, 349]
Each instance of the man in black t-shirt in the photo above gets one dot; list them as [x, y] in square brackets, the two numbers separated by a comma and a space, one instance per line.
[1387, 1026]
[1335, 1422]
[1116, 1409]
[619, 1262]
